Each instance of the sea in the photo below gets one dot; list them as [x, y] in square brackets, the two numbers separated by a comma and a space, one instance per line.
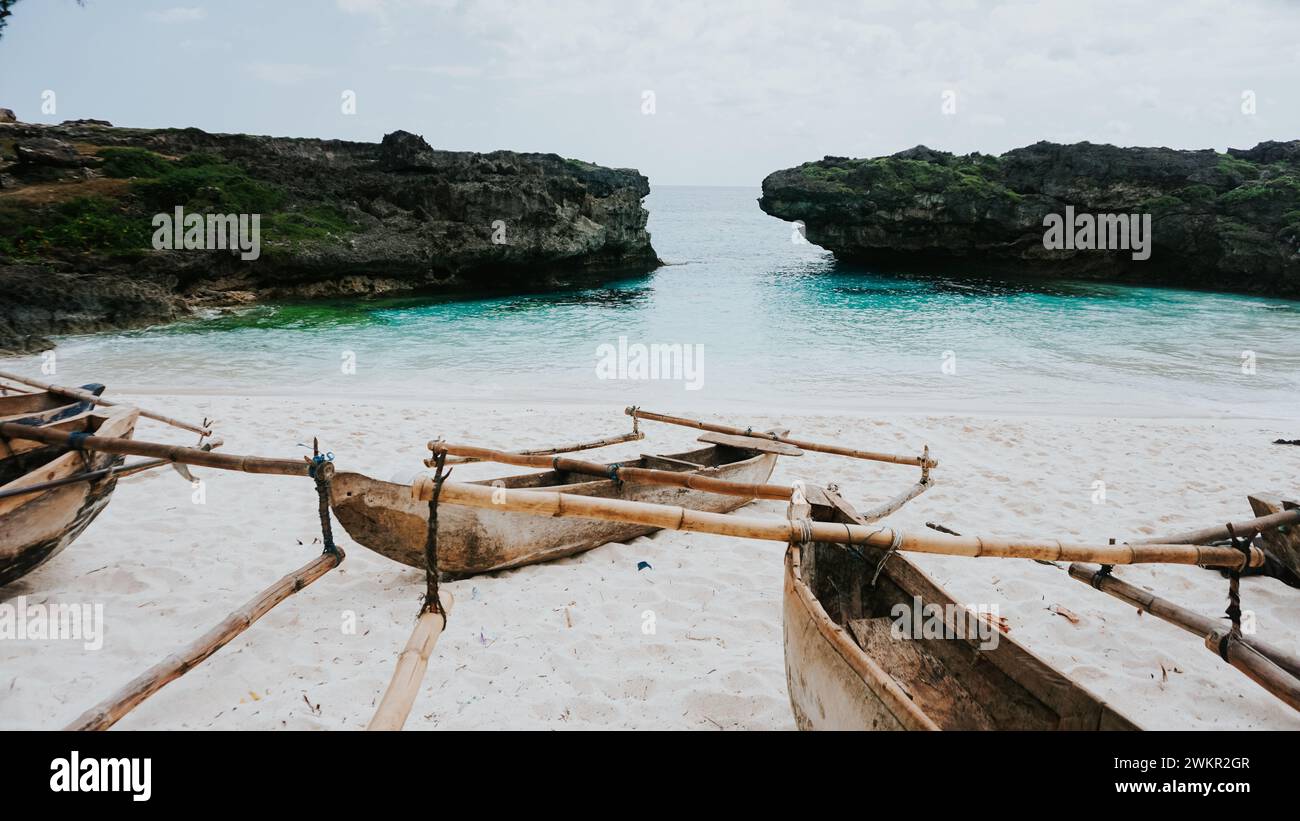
[744, 314]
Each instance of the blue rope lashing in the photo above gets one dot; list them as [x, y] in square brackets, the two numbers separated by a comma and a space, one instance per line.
[77, 440]
[613, 472]
[318, 460]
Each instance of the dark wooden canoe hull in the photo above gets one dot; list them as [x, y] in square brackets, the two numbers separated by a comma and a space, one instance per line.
[383, 517]
[36, 527]
[930, 684]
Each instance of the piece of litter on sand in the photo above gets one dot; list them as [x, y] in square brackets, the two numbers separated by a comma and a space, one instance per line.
[643, 566]
[1061, 611]
[998, 623]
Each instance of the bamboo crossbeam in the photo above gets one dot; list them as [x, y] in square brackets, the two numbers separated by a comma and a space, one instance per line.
[837, 450]
[171, 453]
[111, 710]
[893, 505]
[648, 476]
[412, 664]
[668, 517]
[634, 436]
[77, 393]
[1176, 615]
[1247, 529]
[117, 472]
[1256, 667]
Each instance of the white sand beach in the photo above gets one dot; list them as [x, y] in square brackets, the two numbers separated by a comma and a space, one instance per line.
[561, 645]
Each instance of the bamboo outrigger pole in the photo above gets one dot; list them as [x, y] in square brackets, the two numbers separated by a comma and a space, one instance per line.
[1248, 529]
[924, 462]
[117, 472]
[893, 505]
[109, 711]
[1176, 615]
[1255, 666]
[617, 472]
[634, 436]
[170, 453]
[411, 667]
[668, 517]
[77, 393]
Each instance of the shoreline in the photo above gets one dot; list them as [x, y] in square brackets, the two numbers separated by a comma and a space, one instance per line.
[908, 410]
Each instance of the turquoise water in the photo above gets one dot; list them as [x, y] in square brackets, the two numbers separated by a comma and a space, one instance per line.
[781, 325]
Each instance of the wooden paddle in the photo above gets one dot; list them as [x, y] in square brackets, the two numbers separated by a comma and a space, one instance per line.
[77, 393]
[552, 503]
[621, 473]
[921, 461]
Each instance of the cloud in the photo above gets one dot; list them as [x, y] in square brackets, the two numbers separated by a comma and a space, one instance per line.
[178, 14]
[287, 74]
[361, 6]
[441, 71]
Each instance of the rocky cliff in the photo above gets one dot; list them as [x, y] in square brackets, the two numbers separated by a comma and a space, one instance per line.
[1222, 221]
[337, 219]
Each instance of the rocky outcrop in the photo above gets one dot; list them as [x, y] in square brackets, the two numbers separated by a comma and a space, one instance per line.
[1223, 221]
[337, 219]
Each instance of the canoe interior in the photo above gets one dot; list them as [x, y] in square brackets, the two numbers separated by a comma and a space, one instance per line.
[34, 527]
[850, 667]
[383, 517]
[46, 410]
[16, 406]
[566, 482]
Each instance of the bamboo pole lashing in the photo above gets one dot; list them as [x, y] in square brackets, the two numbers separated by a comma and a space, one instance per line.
[171, 453]
[77, 393]
[553, 503]
[1257, 667]
[923, 461]
[109, 711]
[412, 664]
[622, 473]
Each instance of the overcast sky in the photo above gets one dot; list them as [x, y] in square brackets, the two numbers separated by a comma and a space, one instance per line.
[740, 87]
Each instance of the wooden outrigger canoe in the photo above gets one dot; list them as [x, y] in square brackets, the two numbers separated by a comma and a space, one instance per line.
[35, 526]
[846, 671]
[384, 517]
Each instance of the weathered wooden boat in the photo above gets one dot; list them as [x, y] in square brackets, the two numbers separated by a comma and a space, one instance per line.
[384, 517]
[36, 525]
[846, 670]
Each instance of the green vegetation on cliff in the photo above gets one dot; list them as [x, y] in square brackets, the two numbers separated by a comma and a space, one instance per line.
[119, 220]
[898, 178]
[1228, 220]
